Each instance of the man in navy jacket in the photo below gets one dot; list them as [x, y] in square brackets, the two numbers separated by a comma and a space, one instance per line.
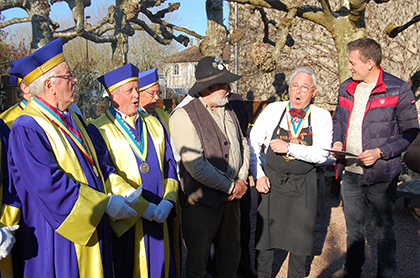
[376, 120]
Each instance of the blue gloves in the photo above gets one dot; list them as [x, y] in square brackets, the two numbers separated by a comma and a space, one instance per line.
[132, 195]
[162, 211]
[118, 207]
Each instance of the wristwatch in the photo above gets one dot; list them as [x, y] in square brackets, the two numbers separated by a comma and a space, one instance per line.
[382, 154]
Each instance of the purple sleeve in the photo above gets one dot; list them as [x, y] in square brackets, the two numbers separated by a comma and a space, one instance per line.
[35, 174]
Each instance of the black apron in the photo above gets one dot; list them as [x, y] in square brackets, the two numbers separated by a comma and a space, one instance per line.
[287, 214]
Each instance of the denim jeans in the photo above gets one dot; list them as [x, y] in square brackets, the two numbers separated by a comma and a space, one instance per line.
[357, 200]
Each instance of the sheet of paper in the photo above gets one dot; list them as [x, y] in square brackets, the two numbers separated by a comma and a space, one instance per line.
[340, 152]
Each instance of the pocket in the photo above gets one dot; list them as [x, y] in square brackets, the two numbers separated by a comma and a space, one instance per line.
[290, 184]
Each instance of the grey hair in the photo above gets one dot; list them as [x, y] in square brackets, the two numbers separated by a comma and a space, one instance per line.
[304, 70]
[37, 86]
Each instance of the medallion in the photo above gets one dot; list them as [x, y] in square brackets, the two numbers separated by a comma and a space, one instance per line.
[144, 168]
[294, 140]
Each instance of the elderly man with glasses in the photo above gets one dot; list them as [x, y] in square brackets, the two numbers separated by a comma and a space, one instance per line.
[140, 151]
[287, 140]
[150, 93]
[56, 182]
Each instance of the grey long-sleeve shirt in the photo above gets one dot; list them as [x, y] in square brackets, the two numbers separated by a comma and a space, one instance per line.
[188, 146]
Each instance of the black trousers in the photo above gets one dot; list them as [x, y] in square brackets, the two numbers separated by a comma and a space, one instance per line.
[201, 224]
[265, 264]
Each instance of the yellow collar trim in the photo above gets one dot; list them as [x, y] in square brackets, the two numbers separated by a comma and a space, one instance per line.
[115, 86]
[148, 86]
[37, 72]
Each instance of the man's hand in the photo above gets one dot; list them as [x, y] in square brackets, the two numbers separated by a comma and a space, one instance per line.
[132, 195]
[369, 157]
[118, 207]
[162, 211]
[239, 189]
[279, 146]
[263, 185]
[338, 146]
[149, 212]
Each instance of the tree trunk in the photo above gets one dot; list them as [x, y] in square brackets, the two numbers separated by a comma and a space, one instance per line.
[343, 33]
[216, 34]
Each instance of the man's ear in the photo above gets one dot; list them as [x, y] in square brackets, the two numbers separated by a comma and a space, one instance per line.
[48, 85]
[314, 93]
[371, 64]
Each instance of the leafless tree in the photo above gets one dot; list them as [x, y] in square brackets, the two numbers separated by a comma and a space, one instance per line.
[121, 22]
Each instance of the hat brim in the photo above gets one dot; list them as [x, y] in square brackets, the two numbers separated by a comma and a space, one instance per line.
[225, 78]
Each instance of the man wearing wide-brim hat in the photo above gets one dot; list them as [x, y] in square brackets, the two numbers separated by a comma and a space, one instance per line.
[213, 170]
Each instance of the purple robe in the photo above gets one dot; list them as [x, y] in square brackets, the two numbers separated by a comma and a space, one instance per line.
[46, 197]
[123, 250]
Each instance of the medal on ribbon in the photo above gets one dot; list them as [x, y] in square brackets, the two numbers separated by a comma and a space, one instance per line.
[140, 149]
[295, 128]
[80, 139]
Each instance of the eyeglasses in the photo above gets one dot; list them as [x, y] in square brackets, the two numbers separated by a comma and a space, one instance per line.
[154, 94]
[69, 76]
[303, 88]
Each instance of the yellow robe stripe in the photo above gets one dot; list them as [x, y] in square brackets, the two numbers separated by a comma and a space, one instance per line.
[10, 115]
[164, 117]
[89, 207]
[127, 167]
[6, 268]
[140, 252]
[10, 216]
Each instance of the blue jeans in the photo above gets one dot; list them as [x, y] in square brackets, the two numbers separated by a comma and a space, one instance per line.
[357, 200]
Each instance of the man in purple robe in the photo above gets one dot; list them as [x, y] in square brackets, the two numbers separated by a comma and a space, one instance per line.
[56, 180]
[140, 150]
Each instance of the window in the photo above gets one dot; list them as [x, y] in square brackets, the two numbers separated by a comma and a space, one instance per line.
[193, 67]
[176, 70]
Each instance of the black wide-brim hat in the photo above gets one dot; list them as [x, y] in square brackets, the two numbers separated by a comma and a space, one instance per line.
[211, 71]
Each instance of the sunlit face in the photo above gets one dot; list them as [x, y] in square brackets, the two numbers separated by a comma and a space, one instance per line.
[359, 69]
[301, 90]
[149, 98]
[64, 87]
[126, 100]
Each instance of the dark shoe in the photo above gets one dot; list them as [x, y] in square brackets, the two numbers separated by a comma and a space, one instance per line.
[246, 272]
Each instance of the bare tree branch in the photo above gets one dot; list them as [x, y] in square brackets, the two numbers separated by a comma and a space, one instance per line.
[14, 21]
[393, 30]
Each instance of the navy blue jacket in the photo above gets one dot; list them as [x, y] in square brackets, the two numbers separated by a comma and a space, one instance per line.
[390, 123]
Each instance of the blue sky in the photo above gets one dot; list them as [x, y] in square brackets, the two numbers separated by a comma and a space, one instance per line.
[191, 14]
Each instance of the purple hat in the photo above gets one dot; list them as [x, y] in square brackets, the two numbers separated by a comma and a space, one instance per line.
[119, 77]
[148, 78]
[40, 62]
[16, 67]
